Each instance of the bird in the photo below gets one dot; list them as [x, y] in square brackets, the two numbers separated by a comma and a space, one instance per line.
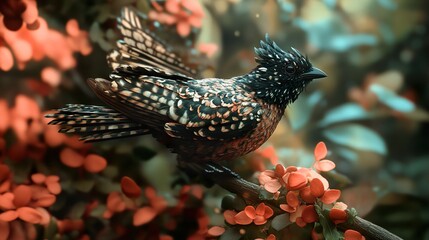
[151, 90]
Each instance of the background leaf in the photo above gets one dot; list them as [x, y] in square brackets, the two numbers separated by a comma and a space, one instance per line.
[356, 136]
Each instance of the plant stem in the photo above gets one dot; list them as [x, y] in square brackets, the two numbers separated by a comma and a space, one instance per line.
[251, 192]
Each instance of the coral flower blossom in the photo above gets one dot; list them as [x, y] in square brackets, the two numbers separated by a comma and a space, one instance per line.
[258, 215]
[185, 14]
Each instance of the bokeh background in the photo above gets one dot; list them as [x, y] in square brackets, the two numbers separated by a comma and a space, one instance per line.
[372, 112]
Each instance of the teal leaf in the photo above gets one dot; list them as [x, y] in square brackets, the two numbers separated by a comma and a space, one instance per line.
[329, 229]
[347, 154]
[357, 137]
[345, 112]
[230, 233]
[391, 99]
[281, 221]
[299, 113]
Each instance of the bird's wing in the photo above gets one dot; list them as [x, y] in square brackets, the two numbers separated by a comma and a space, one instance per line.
[140, 48]
[212, 113]
[188, 110]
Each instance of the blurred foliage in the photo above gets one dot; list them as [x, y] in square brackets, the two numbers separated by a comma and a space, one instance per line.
[372, 112]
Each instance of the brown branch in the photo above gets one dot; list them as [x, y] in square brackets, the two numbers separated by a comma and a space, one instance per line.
[251, 192]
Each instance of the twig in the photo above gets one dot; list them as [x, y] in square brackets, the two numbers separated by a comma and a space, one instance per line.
[251, 192]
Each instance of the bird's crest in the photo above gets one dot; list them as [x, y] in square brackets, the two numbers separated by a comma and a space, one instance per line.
[270, 53]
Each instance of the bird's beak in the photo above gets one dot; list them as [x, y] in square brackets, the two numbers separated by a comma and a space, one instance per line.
[313, 74]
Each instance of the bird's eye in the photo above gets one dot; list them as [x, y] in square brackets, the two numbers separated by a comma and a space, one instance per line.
[290, 69]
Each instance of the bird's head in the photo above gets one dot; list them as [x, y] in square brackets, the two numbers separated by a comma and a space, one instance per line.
[280, 76]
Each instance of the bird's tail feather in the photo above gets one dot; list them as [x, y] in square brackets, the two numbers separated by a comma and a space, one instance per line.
[95, 123]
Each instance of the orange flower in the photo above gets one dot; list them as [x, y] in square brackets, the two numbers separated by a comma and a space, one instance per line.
[269, 180]
[37, 41]
[320, 152]
[144, 215]
[92, 163]
[353, 235]
[185, 14]
[51, 182]
[215, 231]
[130, 188]
[338, 213]
[258, 216]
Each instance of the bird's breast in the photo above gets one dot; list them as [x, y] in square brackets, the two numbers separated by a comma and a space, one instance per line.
[235, 148]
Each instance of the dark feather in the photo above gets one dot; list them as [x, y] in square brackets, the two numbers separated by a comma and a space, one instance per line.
[139, 47]
[94, 123]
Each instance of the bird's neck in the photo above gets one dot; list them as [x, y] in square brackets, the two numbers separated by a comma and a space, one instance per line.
[266, 86]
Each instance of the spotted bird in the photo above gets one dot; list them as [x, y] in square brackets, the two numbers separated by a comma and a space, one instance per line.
[152, 91]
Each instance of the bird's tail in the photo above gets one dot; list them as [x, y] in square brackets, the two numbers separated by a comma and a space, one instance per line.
[95, 123]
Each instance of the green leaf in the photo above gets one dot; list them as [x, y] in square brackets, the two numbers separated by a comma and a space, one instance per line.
[391, 99]
[281, 221]
[329, 229]
[357, 137]
[230, 233]
[345, 112]
[300, 111]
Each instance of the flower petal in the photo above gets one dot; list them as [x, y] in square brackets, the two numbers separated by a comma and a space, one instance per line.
[172, 6]
[143, 216]
[51, 76]
[287, 208]
[53, 187]
[340, 205]
[352, 235]
[259, 220]
[242, 218]
[330, 196]
[29, 215]
[320, 151]
[272, 186]
[316, 187]
[296, 181]
[292, 199]
[71, 158]
[309, 214]
[293, 216]
[271, 237]
[229, 216]
[130, 188]
[72, 28]
[6, 57]
[268, 212]
[183, 28]
[250, 212]
[8, 216]
[94, 163]
[337, 216]
[306, 195]
[46, 200]
[38, 178]
[260, 209]
[215, 231]
[22, 195]
[324, 165]
[6, 201]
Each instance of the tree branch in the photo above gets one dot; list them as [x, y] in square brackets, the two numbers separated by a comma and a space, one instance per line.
[251, 192]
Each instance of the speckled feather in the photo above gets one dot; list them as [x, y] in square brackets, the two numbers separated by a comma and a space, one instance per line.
[152, 91]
